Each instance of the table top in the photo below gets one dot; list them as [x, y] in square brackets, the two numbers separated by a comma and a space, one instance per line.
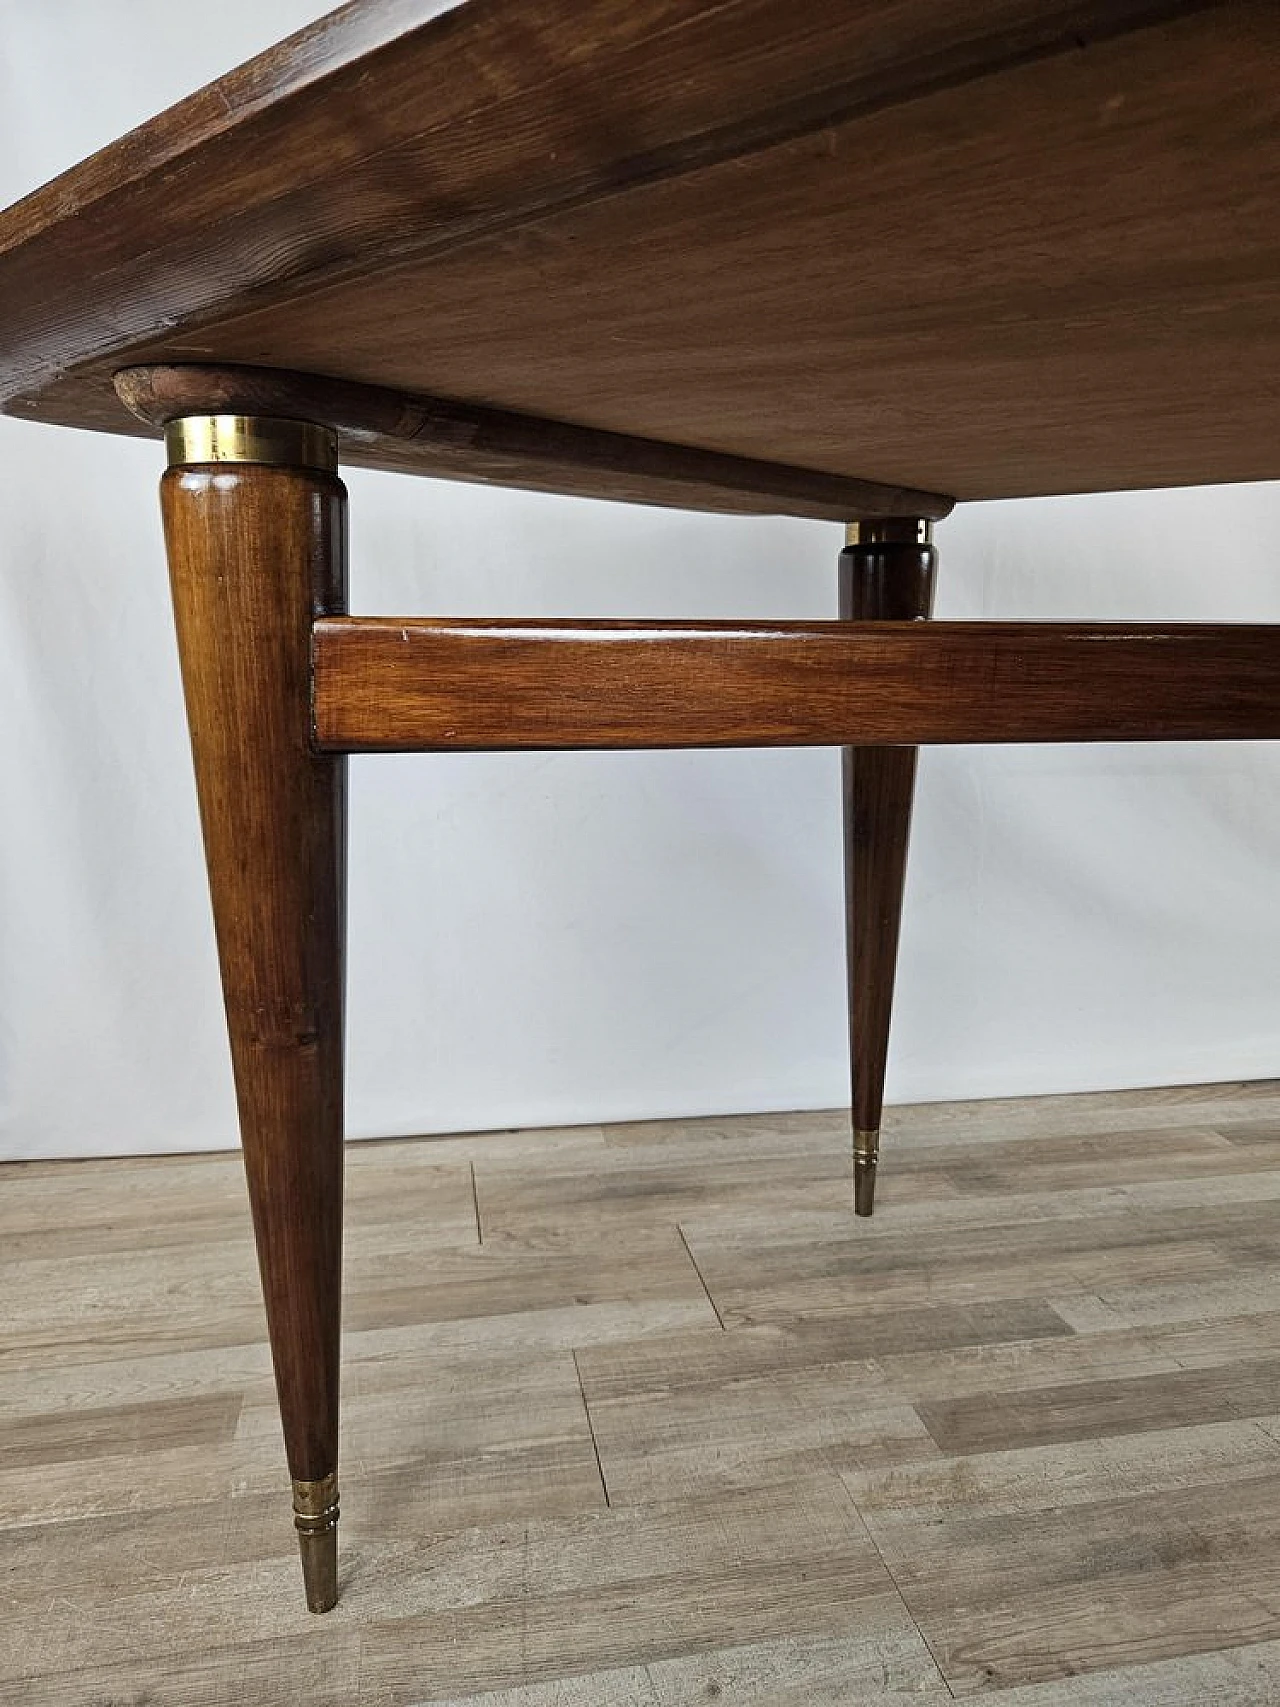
[976, 248]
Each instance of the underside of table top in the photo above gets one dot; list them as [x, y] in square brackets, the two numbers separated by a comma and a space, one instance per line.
[983, 248]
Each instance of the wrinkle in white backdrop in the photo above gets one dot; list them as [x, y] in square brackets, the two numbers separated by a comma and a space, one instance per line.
[539, 939]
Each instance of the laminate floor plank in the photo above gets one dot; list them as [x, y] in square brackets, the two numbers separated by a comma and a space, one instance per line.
[804, 1130]
[1233, 1295]
[634, 1189]
[1082, 1410]
[165, 1204]
[1085, 1370]
[635, 1585]
[320, 1668]
[965, 1373]
[753, 1283]
[33, 1442]
[689, 1362]
[1028, 1483]
[1231, 1677]
[413, 1284]
[51, 1389]
[992, 1119]
[1004, 1599]
[641, 1415]
[1235, 1207]
[883, 1661]
[539, 1402]
[751, 1433]
[1260, 1136]
[587, 1144]
[1029, 1166]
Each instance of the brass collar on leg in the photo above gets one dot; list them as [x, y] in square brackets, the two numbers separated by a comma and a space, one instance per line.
[251, 438]
[889, 530]
[315, 1504]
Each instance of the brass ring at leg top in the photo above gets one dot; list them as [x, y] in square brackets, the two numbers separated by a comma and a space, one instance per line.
[251, 438]
[889, 530]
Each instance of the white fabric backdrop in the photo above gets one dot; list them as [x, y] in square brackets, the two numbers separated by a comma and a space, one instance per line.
[590, 937]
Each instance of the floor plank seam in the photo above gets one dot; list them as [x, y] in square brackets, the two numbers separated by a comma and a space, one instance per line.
[710, 1300]
[595, 1444]
[897, 1586]
[475, 1200]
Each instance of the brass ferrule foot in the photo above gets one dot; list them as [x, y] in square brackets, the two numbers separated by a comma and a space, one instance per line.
[866, 1151]
[315, 1517]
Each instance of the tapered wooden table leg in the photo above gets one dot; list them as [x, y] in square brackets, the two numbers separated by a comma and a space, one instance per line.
[886, 572]
[255, 521]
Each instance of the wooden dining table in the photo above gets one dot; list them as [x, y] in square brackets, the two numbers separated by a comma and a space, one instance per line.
[859, 262]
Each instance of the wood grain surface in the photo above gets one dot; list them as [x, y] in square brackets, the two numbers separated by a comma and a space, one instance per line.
[392, 684]
[976, 249]
[462, 441]
[254, 554]
[881, 581]
[637, 1416]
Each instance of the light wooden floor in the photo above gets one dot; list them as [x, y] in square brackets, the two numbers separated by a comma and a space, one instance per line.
[642, 1415]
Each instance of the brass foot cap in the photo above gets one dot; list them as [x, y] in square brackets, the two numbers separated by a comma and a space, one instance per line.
[866, 1146]
[315, 1516]
[320, 1569]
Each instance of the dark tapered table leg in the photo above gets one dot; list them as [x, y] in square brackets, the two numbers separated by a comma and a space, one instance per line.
[255, 528]
[886, 573]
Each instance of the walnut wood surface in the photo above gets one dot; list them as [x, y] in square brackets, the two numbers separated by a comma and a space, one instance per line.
[888, 582]
[765, 228]
[401, 684]
[464, 442]
[255, 553]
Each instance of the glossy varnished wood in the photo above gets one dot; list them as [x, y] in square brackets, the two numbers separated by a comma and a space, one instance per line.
[255, 554]
[1017, 1438]
[392, 684]
[887, 581]
[765, 228]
